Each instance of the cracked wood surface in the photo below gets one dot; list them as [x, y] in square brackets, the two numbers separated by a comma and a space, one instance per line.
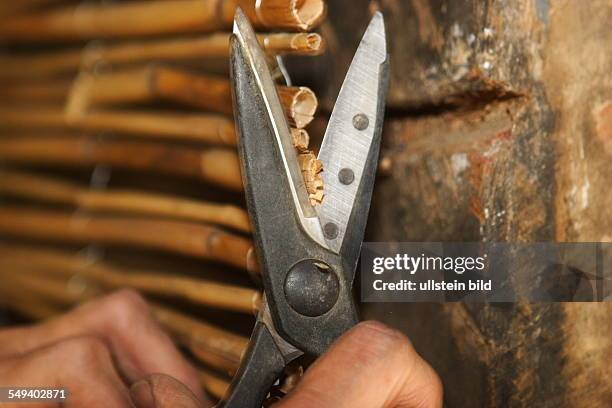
[498, 129]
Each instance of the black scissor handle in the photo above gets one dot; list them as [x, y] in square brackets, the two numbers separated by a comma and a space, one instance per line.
[261, 366]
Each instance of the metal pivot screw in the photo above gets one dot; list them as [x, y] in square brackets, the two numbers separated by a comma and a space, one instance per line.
[330, 230]
[346, 176]
[311, 288]
[361, 121]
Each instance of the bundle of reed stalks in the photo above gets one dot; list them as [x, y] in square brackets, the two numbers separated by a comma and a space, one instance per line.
[118, 162]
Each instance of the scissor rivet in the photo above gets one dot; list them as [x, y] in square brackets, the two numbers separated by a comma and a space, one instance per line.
[311, 288]
[361, 121]
[346, 176]
[330, 230]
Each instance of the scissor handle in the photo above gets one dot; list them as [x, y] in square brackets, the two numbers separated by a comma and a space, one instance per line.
[261, 366]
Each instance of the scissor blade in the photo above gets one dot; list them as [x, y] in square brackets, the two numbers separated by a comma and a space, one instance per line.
[265, 99]
[351, 144]
[280, 239]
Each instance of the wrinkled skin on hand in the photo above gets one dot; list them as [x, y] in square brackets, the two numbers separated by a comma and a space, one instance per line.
[111, 353]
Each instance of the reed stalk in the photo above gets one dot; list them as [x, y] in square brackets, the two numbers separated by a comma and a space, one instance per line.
[38, 65]
[206, 92]
[157, 18]
[216, 166]
[53, 190]
[67, 265]
[178, 237]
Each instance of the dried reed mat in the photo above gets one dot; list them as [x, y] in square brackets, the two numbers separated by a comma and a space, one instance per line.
[36, 65]
[195, 127]
[210, 93]
[212, 345]
[155, 18]
[213, 384]
[179, 237]
[217, 166]
[67, 265]
[54, 190]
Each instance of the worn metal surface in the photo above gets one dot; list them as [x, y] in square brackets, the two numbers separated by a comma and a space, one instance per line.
[350, 142]
[307, 280]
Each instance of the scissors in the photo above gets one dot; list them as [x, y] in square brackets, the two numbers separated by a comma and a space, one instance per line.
[307, 253]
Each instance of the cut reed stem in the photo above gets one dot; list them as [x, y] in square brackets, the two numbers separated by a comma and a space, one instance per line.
[206, 92]
[36, 65]
[156, 18]
[301, 139]
[183, 238]
[300, 105]
[301, 14]
[67, 265]
[216, 166]
[53, 190]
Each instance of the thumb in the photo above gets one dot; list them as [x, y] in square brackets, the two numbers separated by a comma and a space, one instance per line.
[162, 391]
[370, 366]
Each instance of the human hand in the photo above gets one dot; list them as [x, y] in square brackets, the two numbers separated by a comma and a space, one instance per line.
[96, 352]
[371, 366]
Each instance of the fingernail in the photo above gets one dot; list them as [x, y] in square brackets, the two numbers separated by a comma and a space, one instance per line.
[142, 394]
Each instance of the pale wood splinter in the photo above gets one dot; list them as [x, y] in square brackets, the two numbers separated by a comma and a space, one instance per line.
[311, 170]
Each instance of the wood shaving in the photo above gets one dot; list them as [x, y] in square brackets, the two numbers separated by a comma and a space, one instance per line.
[311, 171]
